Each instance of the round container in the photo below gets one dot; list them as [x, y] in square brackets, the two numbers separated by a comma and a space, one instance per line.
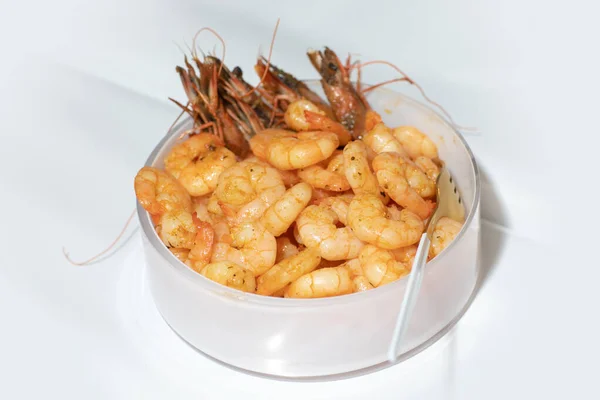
[329, 337]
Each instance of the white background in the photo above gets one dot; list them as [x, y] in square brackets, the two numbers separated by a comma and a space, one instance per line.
[83, 96]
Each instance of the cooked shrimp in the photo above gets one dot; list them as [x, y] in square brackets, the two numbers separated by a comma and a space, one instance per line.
[429, 167]
[181, 254]
[339, 205]
[185, 153]
[289, 177]
[303, 115]
[200, 254]
[354, 267]
[372, 118]
[405, 255]
[332, 178]
[248, 189]
[368, 220]
[251, 246]
[358, 172]
[415, 142]
[392, 176]
[381, 140]
[198, 162]
[320, 194]
[349, 106]
[287, 271]
[317, 229]
[324, 282]
[361, 284]
[444, 233]
[380, 266]
[285, 248]
[259, 144]
[201, 209]
[201, 177]
[282, 214]
[159, 192]
[300, 150]
[177, 229]
[230, 274]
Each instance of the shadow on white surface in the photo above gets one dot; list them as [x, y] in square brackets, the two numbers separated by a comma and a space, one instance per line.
[493, 222]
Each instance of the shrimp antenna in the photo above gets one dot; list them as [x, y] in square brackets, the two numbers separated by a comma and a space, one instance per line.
[211, 30]
[406, 78]
[268, 61]
[179, 47]
[86, 262]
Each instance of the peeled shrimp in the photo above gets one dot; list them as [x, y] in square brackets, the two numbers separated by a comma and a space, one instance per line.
[159, 192]
[251, 246]
[201, 209]
[200, 254]
[287, 271]
[380, 266]
[358, 172]
[332, 178]
[429, 167]
[184, 154]
[290, 150]
[444, 233]
[360, 283]
[230, 274]
[405, 255]
[303, 115]
[181, 254]
[324, 282]
[415, 142]
[177, 229]
[381, 140]
[339, 205]
[317, 229]
[368, 220]
[289, 177]
[285, 248]
[393, 175]
[282, 214]
[198, 162]
[247, 189]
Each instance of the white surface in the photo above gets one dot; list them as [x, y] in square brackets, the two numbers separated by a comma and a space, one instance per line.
[83, 90]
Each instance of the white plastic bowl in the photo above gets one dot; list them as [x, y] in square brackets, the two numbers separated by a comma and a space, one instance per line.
[330, 337]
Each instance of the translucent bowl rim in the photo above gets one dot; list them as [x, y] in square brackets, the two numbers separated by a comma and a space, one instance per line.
[215, 288]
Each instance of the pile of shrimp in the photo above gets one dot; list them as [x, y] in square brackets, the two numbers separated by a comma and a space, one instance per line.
[313, 199]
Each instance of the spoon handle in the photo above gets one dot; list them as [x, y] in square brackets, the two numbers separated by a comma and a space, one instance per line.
[410, 296]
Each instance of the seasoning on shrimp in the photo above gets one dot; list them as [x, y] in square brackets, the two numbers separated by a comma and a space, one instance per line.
[368, 220]
[393, 175]
[251, 246]
[324, 282]
[380, 266]
[159, 192]
[230, 274]
[317, 229]
[293, 150]
[282, 214]
[287, 271]
[444, 232]
[332, 177]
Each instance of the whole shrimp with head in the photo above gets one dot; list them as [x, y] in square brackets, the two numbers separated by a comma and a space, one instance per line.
[349, 106]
